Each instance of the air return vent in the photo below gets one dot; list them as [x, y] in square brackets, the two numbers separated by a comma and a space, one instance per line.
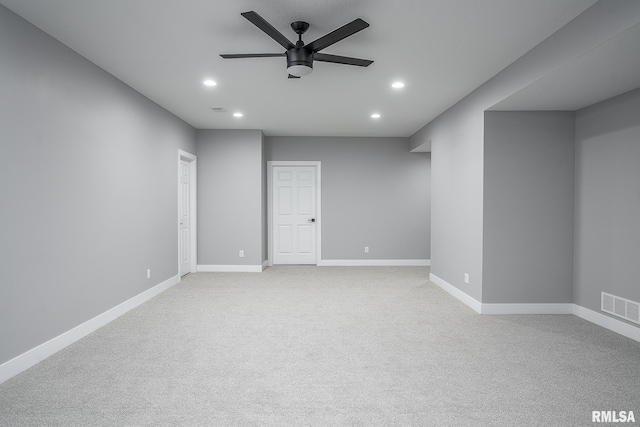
[621, 307]
[218, 110]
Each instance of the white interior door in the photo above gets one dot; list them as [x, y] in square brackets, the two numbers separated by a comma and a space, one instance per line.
[184, 218]
[294, 214]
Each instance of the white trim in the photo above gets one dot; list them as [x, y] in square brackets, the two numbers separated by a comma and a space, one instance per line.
[318, 166]
[375, 262]
[193, 208]
[467, 299]
[618, 326]
[37, 354]
[551, 308]
[610, 323]
[211, 268]
[265, 264]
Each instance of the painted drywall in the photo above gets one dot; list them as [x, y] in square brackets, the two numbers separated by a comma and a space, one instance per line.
[456, 191]
[230, 197]
[607, 200]
[375, 193]
[457, 139]
[88, 189]
[528, 207]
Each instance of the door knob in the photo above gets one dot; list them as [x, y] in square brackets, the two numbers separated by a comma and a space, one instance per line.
[312, 220]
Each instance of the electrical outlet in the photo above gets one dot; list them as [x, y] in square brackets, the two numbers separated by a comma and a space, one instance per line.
[366, 249]
[241, 253]
[466, 278]
[148, 273]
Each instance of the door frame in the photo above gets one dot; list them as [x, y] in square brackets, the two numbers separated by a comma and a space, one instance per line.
[270, 166]
[193, 220]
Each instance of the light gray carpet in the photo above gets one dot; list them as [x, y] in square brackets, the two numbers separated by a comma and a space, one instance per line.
[327, 346]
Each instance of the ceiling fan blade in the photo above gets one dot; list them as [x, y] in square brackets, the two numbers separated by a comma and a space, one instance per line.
[260, 22]
[325, 57]
[293, 77]
[337, 35]
[251, 55]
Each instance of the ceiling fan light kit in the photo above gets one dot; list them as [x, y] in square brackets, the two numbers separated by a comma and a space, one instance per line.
[300, 57]
[299, 70]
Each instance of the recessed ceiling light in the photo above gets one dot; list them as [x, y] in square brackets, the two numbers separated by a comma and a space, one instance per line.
[237, 114]
[209, 83]
[397, 85]
[375, 116]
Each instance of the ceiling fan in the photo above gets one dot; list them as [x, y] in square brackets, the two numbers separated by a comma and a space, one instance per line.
[300, 56]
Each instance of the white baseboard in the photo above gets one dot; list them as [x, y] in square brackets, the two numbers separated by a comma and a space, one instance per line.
[552, 308]
[26, 360]
[374, 262]
[615, 325]
[457, 293]
[607, 322]
[231, 268]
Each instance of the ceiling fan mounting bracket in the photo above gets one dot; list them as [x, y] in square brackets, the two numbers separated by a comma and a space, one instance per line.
[300, 27]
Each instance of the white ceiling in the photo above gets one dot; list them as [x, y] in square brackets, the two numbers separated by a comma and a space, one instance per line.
[441, 49]
[607, 70]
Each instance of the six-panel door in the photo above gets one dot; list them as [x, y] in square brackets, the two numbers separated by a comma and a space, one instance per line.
[294, 215]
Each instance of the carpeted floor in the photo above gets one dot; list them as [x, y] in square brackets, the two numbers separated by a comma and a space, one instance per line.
[327, 346]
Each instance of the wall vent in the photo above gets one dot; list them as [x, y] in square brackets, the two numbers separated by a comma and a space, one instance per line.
[621, 307]
[218, 110]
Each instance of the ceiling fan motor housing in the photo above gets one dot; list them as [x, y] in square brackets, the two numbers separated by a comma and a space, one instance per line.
[299, 56]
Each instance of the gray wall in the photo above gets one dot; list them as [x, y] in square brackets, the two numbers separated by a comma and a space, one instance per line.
[457, 139]
[607, 200]
[456, 189]
[528, 207]
[230, 197]
[89, 189]
[374, 193]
